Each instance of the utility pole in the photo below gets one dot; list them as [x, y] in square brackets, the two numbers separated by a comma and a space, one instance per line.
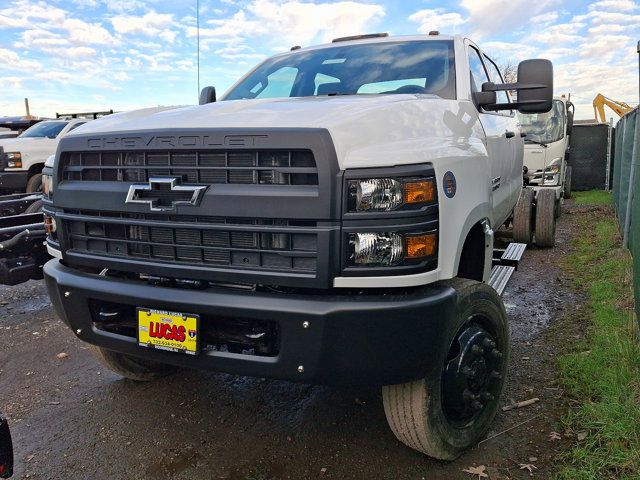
[638, 72]
[26, 107]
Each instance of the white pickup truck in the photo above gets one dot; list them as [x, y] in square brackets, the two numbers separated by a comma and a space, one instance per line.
[330, 219]
[22, 158]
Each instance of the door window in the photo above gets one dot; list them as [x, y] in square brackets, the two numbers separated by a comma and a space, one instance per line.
[478, 72]
[496, 77]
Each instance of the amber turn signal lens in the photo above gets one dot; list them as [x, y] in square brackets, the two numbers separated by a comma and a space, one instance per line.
[420, 246]
[419, 192]
[49, 225]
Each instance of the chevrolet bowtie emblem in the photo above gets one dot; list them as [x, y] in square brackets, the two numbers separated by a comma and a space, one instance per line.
[165, 194]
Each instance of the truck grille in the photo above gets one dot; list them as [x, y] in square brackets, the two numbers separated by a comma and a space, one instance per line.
[269, 167]
[272, 245]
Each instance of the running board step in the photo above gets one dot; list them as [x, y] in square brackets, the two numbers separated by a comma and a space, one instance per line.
[500, 276]
[510, 256]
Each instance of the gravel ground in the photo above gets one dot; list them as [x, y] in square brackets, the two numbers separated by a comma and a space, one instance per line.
[72, 419]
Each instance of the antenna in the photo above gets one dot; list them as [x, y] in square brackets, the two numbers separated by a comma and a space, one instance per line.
[198, 43]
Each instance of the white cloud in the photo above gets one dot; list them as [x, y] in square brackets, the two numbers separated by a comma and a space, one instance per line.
[559, 34]
[10, 82]
[615, 5]
[12, 61]
[545, 18]
[437, 19]
[151, 24]
[491, 17]
[87, 33]
[295, 22]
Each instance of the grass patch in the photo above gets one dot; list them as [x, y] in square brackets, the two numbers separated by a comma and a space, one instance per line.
[592, 197]
[603, 373]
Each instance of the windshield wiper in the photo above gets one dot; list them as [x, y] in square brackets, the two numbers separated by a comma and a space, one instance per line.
[528, 140]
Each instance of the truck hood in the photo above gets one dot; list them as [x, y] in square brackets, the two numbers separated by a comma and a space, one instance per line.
[367, 130]
[19, 144]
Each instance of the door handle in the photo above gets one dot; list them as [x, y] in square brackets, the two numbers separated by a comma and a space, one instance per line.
[510, 134]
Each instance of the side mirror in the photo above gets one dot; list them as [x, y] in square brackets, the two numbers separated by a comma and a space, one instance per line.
[6, 449]
[534, 87]
[207, 95]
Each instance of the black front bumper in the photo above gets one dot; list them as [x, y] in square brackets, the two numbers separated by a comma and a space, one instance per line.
[350, 338]
[13, 180]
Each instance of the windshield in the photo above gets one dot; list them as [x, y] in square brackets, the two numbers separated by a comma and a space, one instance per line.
[44, 129]
[544, 127]
[377, 68]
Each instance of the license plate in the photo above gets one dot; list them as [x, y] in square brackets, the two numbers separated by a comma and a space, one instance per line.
[170, 331]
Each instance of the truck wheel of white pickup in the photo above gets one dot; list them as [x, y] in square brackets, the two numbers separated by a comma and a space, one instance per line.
[546, 218]
[523, 218]
[452, 408]
[130, 367]
[34, 185]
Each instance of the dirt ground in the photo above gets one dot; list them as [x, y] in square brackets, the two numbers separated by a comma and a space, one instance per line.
[72, 419]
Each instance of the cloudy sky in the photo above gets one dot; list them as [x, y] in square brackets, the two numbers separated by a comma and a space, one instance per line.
[78, 55]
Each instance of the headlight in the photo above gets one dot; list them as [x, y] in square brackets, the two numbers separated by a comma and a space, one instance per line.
[47, 185]
[389, 194]
[389, 249]
[554, 167]
[15, 160]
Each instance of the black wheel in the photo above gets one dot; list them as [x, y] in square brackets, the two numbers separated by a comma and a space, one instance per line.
[34, 184]
[545, 229]
[567, 182]
[131, 367]
[523, 218]
[452, 408]
[35, 207]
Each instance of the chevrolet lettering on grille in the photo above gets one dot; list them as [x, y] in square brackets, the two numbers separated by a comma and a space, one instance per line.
[165, 194]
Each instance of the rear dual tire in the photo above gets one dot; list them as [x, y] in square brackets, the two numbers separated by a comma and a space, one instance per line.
[523, 217]
[546, 218]
[452, 408]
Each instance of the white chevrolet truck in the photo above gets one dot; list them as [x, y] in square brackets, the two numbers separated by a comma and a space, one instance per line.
[22, 158]
[330, 219]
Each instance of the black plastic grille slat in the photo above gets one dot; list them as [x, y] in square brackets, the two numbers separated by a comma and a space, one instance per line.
[269, 167]
[194, 244]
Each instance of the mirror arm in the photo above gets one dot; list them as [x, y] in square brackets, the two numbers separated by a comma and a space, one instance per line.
[501, 87]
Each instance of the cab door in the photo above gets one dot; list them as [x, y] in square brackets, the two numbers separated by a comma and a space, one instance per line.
[500, 132]
[515, 159]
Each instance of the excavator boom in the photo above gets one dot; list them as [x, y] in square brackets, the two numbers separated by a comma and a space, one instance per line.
[600, 101]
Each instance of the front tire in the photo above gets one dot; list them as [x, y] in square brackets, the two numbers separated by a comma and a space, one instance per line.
[133, 368]
[34, 184]
[452, 408]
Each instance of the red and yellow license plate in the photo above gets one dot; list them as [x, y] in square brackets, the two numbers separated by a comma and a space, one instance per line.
[171, 331]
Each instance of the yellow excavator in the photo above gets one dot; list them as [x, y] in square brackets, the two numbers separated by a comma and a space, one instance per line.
[599, 103]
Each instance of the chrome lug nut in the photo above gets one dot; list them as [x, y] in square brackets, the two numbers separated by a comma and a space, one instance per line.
[477, 350]
[495, 353]
[305, 324]
[496, 374]
[300, 368]
[477, 405]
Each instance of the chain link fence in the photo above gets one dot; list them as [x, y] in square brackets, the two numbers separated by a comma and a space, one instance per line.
[626, 189]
